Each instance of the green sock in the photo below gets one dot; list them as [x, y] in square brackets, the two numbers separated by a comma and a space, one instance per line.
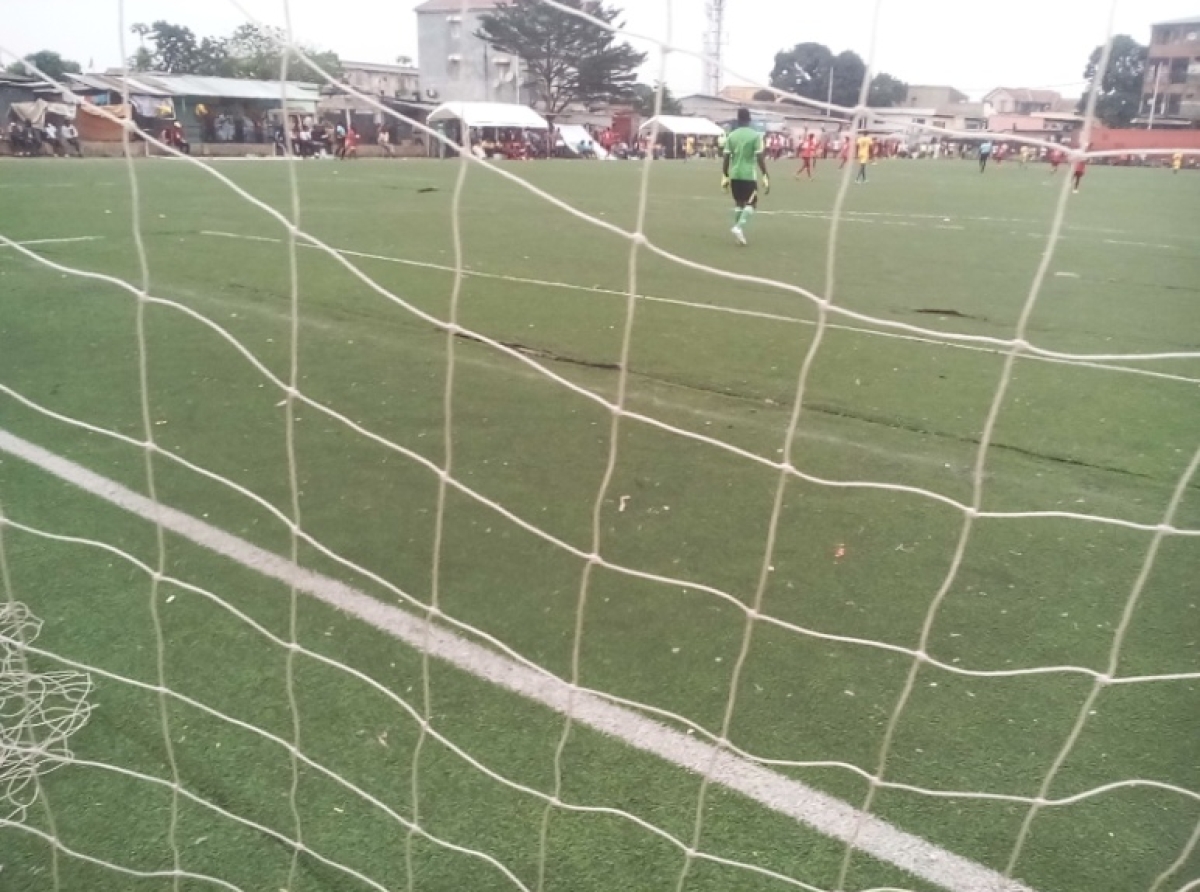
[745, 216]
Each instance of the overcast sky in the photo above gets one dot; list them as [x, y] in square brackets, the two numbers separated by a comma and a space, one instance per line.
[973, 46]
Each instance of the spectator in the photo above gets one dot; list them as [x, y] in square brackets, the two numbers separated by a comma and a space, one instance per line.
[70, 136]
[174, 137]
[16, 139]
[50, 137]
[385, 142]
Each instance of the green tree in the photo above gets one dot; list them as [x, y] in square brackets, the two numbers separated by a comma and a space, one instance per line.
[803, 70]
[886, 91]
[257, 53]
[48, 62]
[807, 69]
[568, 58]
[645, 99]
[177, 50]
[1120, 95]
[249, 52]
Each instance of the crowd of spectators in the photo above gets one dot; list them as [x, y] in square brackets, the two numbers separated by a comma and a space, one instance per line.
[58, 139]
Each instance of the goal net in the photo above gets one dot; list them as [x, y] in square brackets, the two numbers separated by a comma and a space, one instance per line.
[422, 518]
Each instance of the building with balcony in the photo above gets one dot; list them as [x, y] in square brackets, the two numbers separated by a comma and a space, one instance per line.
[1021, 101]
[932, 96]
[1172, 87]
[457, 66]
[384, 81]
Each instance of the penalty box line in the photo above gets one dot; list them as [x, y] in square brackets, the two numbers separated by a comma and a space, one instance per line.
[827, 815]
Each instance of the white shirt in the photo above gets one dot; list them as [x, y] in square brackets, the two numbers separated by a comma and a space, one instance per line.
[69, 131]
[51, 131]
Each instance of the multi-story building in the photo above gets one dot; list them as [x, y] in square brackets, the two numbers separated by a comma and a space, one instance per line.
[387, 81]
[1172, 87]
[1020, 101]
[932, 96]
[455, 64]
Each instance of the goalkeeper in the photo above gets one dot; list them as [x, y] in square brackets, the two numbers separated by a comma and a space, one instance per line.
[744, 161]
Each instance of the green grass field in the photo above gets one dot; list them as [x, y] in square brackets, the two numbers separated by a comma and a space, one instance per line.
[927, 244]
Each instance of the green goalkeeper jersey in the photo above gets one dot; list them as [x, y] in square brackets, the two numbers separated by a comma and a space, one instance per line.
[743, 146]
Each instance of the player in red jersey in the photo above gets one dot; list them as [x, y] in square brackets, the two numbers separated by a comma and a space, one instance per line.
[846, 148]
[1077, 175]
[808, 156]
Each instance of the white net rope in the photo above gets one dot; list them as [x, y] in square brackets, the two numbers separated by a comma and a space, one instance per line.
[438, 634]
[39, 713]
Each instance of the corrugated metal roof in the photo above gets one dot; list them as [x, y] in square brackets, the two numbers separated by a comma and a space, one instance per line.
[198, 87]
[112, 83]
[234, 88]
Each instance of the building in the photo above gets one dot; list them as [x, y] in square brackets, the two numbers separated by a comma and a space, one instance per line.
[962, 116]
[740, 93]
[1054, 126]
[16, 88]
[926, 96]
[1020, 101]
[772, 115]
[1172, 87]
[211, 110]
[384, 81]
[457, 66]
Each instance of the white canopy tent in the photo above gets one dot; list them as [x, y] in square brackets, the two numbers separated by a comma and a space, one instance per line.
[684, 126]
[573, 134]
[489, 114]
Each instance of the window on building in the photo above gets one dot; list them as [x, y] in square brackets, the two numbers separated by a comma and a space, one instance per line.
[1174, 106]
[1179, 71]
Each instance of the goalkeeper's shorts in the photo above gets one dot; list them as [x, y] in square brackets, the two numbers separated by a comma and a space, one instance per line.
[745, 192]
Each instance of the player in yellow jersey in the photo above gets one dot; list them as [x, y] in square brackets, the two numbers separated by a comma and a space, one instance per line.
[745, 159]
[863, 145]
[1176, 162]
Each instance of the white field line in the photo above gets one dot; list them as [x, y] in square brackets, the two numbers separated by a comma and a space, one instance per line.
[1114, 241]
[825, 814]
[715, 308]
[932, 219]
[58, 241]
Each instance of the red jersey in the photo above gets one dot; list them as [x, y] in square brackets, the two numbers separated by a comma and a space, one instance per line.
[809, 149]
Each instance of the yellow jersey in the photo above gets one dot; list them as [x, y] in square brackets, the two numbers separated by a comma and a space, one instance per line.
[864, 148]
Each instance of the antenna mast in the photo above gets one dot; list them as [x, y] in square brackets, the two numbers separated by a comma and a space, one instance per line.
[714, 46]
